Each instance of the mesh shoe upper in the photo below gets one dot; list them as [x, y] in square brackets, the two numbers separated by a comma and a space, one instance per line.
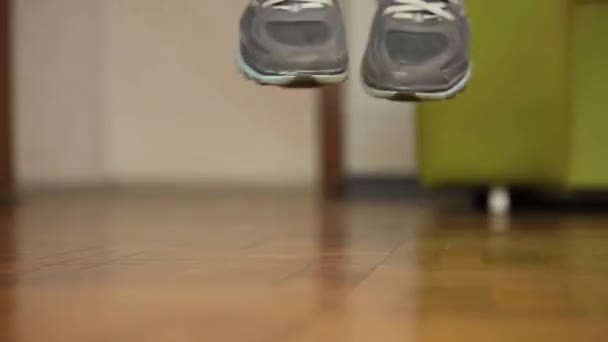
[418, 45]
[414, 47]
[299, 34]
[283, 36]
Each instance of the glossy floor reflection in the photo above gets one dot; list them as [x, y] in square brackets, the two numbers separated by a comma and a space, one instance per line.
[282, 267]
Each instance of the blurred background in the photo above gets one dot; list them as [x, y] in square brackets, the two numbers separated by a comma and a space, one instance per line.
[147, 92]
[146, 181]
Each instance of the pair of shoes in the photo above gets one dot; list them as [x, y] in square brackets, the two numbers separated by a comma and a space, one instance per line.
[417, 50]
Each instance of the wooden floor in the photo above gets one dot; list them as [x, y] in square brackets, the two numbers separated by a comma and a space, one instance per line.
[282, 267]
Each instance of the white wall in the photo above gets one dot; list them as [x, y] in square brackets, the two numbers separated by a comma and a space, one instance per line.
[381, 134]
[59, 98]
[180, 111]
[147, 91]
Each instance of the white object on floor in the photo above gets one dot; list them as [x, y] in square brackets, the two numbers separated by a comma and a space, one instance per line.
[499, 201]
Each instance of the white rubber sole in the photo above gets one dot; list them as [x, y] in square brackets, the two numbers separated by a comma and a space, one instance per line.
[288, 78]
[422, 96]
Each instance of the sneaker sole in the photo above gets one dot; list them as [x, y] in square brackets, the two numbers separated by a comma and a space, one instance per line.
[414, 96]
[308, 79]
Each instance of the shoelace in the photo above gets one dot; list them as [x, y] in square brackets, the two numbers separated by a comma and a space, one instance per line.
[420, 10]
[304, 4]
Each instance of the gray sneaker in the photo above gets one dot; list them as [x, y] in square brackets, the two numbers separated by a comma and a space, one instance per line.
[418, 50]
[293, 42]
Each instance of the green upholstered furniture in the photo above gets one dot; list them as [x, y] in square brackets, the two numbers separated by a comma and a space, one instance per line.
[536, 111]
